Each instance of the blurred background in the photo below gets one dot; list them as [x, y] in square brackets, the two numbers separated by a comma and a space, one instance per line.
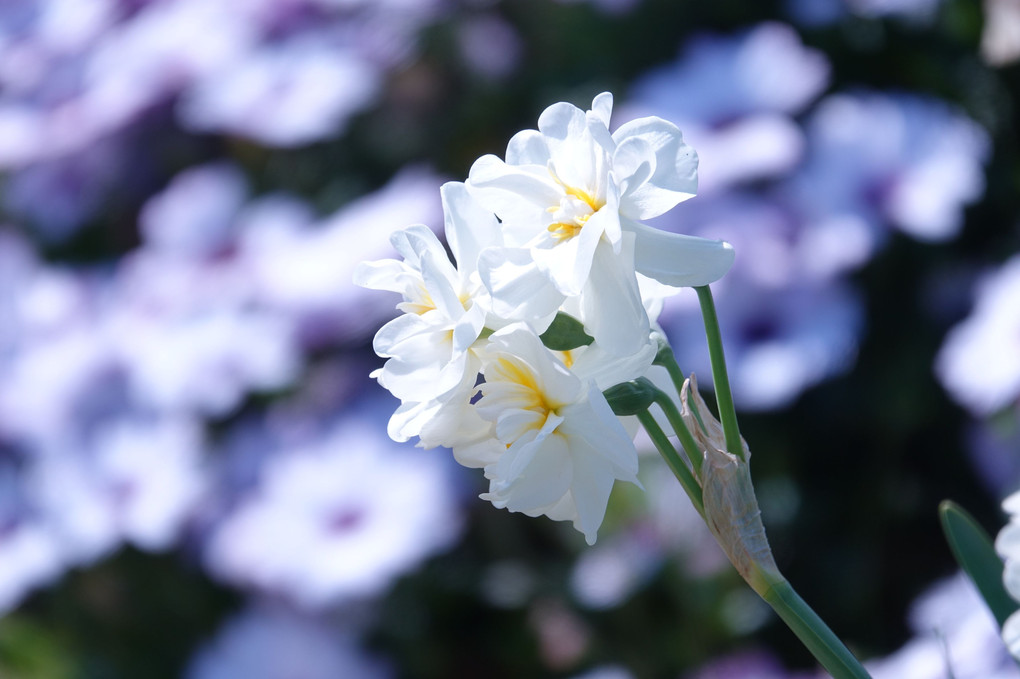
[195, 477]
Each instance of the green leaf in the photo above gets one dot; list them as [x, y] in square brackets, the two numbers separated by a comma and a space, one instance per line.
[565, 333]
[976, 555]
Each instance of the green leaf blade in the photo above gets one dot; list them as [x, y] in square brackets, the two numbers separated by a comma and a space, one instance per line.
[976, 554]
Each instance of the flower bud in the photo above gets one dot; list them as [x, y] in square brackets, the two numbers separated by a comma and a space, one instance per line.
[731, 508]
[630, 398]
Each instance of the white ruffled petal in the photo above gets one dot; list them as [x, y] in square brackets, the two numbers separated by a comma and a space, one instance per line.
[383, 274]
[520, 291]
[527, 147]
[675, 176]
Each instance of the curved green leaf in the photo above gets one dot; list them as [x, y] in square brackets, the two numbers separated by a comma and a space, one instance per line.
[976, 555]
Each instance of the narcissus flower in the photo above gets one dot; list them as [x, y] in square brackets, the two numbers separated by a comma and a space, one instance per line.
[430, 347]
[572, 195]
[504, 354]
[564, 446]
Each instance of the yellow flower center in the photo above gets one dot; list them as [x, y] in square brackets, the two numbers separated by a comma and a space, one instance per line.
[572, 225]
[594, 203]
[562, 231]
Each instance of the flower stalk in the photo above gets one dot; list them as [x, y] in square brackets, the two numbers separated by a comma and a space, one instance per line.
[720, 378]
[827, 648]
[673, 459]
[730, 509]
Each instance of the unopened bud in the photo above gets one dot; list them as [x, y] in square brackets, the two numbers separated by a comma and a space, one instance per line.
[631, 398]
[731, 508]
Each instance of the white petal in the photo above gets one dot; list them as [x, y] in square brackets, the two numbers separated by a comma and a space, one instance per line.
[1011, 634]
[594, 363]
[520, 290]
[468, 329]
[676, 168]
[396, 331]
[679, 260]
[611, 308]
[408, 419]
[527, 147]
[591, 487]
[604, 432]
[568, 263]
[562, 121]
[414, 241]
[602, 107]
[543, 480]
[470, 227]
[489, 172]
[633, 164]
[436, 274]
[384, 274]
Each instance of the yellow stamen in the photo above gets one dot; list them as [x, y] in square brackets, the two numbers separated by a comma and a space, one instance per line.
[562, 231]
[585, 197]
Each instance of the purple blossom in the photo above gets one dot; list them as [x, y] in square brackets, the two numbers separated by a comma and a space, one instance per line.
[271, 642]
[733, 97]
[336, 514]
[284, 94]
[304, 270]
[979, 362]
[898, 159]
[955, 635]
[489, 45]
[133, 479]
[826, 12]
[30, 554]
[778, 342]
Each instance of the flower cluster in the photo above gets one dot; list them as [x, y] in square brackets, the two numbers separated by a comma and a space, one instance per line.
[504, 354]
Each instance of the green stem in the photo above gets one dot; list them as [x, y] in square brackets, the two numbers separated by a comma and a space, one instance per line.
[720, 379]
[834, 656]
[667, 360]
[673, 459]
[676, 421]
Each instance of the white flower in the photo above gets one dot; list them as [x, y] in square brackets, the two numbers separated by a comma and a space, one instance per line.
[570, 193]
[1008, 546]
[570, 182]
[431, 347]
[564, 446]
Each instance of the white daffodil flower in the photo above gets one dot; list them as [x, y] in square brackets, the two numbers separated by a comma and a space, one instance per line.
[564, 447]
[431, 347]
[570, 192]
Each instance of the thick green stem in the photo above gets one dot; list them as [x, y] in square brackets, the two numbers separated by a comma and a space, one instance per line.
[673, 459]
[834, 656]
[720, 379]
